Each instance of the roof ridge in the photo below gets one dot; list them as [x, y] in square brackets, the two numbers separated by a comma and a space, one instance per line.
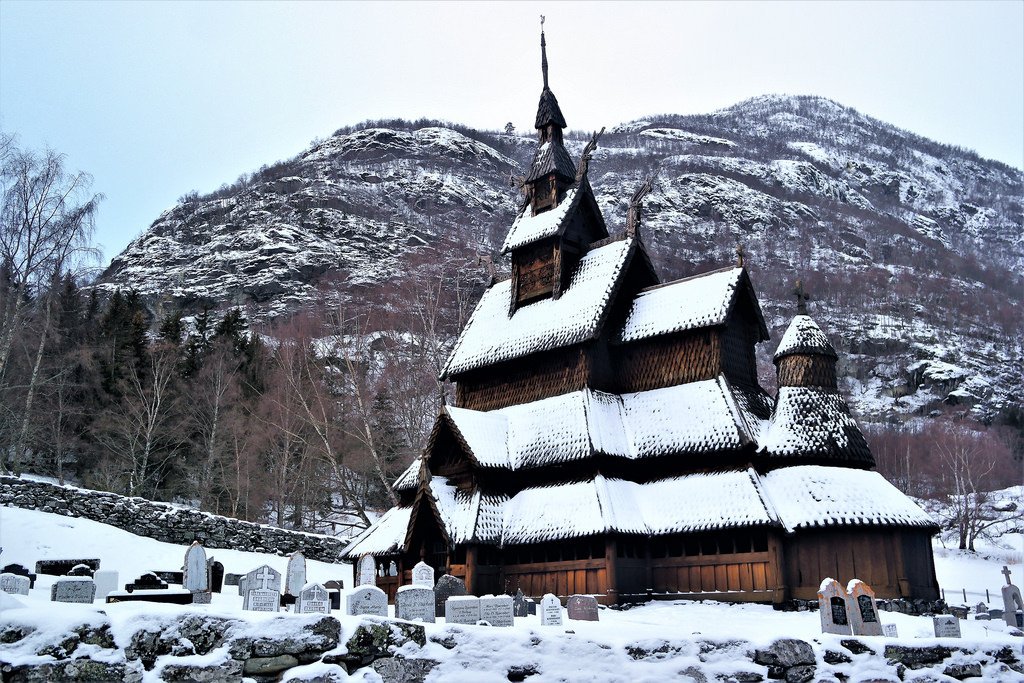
[697, 276]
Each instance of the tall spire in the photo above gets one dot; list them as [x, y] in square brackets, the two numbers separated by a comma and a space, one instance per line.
[543, 53]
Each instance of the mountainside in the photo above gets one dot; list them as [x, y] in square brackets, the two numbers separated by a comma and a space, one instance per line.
[913, 250]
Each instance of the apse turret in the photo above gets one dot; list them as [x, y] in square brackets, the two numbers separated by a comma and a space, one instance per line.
[805, 357]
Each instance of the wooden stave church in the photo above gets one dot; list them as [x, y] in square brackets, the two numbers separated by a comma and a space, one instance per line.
[610, 437]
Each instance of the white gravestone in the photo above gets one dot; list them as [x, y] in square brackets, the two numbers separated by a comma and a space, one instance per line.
[107, 581]
[1011, 601]
[366, 571]
[73, 589]
[415, 603]
[833, 608]
[295, 574]
[423, 575]
[366, 600]
[889, 631]
[462, 609]
[14, 584]
[313, 599]
[946, 626]
[863, 612]
[496, 610]
[550, 611]
[262, 590]
[196, 578]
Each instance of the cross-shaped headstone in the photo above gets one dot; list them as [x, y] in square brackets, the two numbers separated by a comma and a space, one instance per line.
[740, 253]
[264, 578]
[801, 297]
[1006, 573]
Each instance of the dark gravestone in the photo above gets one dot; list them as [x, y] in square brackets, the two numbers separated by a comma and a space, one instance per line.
[334, 589]
[147, 582]
[447, 586]
[177, 578]
[582, 608]
[62, 567]
[81, 570]
[20, 571]
[216, 576]
[172, 596]
[520, 608]
[232, 579]
[531, 607]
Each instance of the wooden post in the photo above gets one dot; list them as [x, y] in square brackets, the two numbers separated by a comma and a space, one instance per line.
[776, 569]
[471, 569]
[611, 576]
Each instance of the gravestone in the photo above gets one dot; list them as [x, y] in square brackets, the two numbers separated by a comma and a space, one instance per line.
[231, 579]
[981, 608]
[262, 590]
[62, 567]
[73, 589]
[147, 582]
[216, 570]
[415, 603]
[366, 571]
[196, 576]
[366, 600]
[423, 575]
[295, 574]
[946, 626]
[313, 599]
[20, 570]
[582, 608]
[241, 585]
[176, 578]
[832, 608]
[462, 609]
[520, 608]
[14, 584]
[959, 611]
[550, 611]
[448, 586]
[889, 631]
[496, 610]
[982, 616]
[81, 570]
[863, 613]
[995, 613]
[531, 607]
[1013, 605]
[334, 593]
[106, 582]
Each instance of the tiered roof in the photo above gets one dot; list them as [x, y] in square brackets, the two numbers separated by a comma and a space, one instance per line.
[804, 336]
[814, 422]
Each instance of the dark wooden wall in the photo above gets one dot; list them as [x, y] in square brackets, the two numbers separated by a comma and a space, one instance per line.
[668, 360]
[801, 370]
[534, 271]
[521, 381]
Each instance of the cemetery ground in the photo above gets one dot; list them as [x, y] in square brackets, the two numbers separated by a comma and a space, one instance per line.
[659, 641]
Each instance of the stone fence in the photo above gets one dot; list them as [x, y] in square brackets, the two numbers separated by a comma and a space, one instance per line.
[165, 522]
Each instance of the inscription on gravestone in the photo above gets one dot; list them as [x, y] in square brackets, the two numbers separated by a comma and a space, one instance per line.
[863, 613]
[462, 609]
[415, 603]
[20, 570]
[550, 611]
[262, 590]
[889, 631]
[73, 589]
[14, 584]
[582, 608]
[496, 610]
[946, 626]
[832, 608]
[260, 600]
[423, 575]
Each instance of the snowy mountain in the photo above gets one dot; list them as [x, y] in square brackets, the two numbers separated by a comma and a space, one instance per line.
[914, 250]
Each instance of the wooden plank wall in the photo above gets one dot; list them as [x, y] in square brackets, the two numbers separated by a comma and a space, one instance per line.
[807, 371]
[561, 578]
[711, 573]
[538, 377]
[667, 361]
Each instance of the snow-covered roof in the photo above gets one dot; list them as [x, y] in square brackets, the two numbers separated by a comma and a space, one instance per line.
[385, 536]
[814, 422]
[407, 480]
[804, 336]
[704, 416]
[551, 157]
[699, 301]
[816, 496]
[492, 335]
[528, 228]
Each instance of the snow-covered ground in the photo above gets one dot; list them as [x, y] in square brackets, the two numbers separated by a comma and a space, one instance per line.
[604, 650]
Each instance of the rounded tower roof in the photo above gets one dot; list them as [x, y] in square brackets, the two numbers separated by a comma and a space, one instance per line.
[804, 337]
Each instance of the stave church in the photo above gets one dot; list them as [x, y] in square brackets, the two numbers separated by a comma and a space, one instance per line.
[609, 435]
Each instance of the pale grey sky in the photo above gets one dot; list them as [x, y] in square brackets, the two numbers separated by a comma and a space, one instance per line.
[155, 99]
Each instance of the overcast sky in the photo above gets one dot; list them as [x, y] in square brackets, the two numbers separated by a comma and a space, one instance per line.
[156, 99]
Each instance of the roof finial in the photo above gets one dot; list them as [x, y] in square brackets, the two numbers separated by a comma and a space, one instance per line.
[636, 207]
[543, 53]
[801, 298]
[740, 253]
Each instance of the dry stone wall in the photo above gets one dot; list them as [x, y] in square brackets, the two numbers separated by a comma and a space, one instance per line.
[165, 522]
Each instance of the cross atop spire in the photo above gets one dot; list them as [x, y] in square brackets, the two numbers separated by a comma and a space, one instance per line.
[741, 252]
[801, 298]
[543, 53]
